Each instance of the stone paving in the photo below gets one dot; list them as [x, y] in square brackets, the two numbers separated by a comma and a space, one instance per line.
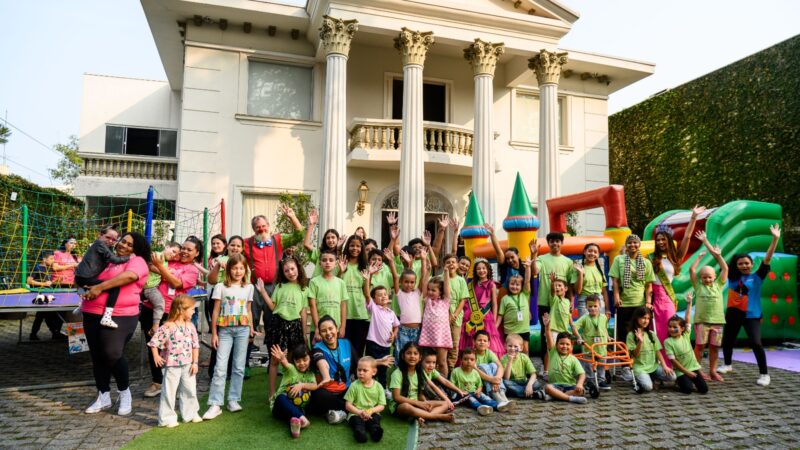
[736, 414]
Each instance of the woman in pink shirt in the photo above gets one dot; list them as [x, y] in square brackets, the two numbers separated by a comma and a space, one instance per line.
[65, 263]
[107, 345]
[177, 278]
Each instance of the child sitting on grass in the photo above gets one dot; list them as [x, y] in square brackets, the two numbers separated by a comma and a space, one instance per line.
[519, 375]
[365, 400]
[467, 378]
[293, 393]
[566, 374]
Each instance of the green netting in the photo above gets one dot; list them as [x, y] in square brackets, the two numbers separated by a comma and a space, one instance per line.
[34, 219]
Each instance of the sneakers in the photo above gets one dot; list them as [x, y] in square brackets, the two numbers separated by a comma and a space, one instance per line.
[592, 389]
[195, 419]
[539, 394]
[153, 391]
[103, 402]
[485, 410]
[724, 368]
[294, 426]
[213, 411]
[763, 380]
[171, 425]
[125, 400]
[578, 399]
[505, 406]
[626, 375]
[335, 416]
[604, 386]
[234, 406]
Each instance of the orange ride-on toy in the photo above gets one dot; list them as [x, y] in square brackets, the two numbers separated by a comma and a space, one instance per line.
[616, 356]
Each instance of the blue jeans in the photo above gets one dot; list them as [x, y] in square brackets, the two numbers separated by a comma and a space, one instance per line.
[601, 372]
[517, 389]
[404, 336]
[490, 369]
[474, 400]
[645, 380]
[284, 409]
[232, 343]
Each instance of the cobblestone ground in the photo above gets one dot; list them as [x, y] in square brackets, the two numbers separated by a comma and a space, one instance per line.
[736, 414]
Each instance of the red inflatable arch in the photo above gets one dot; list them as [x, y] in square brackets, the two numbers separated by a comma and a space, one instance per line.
[610, 198]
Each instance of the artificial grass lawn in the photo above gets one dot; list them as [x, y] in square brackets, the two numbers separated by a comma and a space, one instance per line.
[254, 427]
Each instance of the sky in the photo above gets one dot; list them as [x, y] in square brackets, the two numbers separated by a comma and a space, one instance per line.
[49, 45]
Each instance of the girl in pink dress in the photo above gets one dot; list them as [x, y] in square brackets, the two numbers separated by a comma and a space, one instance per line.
[436, 318]
[481, 309]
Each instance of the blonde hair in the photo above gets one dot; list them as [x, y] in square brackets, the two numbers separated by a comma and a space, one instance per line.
[369, 360]
[233, 260]
[514, 337]
[179, 305]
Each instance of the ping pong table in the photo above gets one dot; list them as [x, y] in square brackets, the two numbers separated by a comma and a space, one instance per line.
[16, 306]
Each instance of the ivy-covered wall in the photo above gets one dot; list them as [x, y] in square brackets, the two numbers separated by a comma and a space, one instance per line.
[731, 134]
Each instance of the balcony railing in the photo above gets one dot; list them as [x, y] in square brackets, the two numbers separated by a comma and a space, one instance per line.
[374, 134]
[123, 166]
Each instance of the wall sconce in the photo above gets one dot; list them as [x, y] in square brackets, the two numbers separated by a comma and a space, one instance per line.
[363, 189]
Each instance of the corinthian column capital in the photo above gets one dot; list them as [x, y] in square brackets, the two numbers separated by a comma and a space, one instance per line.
[547, 66]
[483, 56]
[336, 34]
[413, 45]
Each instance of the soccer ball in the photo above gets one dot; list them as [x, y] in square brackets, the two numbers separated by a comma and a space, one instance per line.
[301, 400]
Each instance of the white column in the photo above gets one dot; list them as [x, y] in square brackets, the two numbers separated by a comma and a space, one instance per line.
[547, 67]
[483, 56]
[335, 35]
[413, 45]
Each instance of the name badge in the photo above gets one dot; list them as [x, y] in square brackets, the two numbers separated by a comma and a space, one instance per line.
[519, 316]
[598, 339]
[171, 291]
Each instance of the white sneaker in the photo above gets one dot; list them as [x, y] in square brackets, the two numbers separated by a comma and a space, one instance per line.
[103, 402]
[125, 400]
[505, 406]
[626, 375]
[234, 406]
[335, 416]
[195, 419]
[763, 380]
[171, 424]
[724, 368]
[212, 412]
[485, 410]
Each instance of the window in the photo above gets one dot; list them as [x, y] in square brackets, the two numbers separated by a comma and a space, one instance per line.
[434, 101]
[526, 118]
[141, 141]
[258, 204]
[279, 90]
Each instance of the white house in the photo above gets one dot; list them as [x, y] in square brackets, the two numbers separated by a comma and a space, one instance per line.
[259, 101]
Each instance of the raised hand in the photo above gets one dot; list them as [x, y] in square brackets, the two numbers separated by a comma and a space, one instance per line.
[394, 232]
[391, 218]
[701, 254]
[342, 264]
[534, 246]
[546, 319]
[405, 257]
[454, 224]
[286, 210]
[697, 210]
[444, 222]
[156, 259]
[277, 353]
[775, 231]
[638, 334]
[426, 238]
[689, 299]
[526, 262]
[577, 266]
[313, 217]
[423, 254]
[260, 284]
[715, 250]
[489, 228]
[374, 268]
[552, 277]
[701, 235]
[342, 240]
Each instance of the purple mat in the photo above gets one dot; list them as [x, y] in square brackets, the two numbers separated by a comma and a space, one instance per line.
[62, 299]
[786, 359]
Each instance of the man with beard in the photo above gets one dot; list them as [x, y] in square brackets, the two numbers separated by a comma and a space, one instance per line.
[263, 252]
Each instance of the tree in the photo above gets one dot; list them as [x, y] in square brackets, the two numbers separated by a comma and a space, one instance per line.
[5, 133]
[69, 166]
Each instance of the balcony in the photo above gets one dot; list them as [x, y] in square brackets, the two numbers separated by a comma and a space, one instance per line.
[125, 166]
[376, 144]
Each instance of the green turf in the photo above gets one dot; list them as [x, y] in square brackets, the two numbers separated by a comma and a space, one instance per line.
[254, 427]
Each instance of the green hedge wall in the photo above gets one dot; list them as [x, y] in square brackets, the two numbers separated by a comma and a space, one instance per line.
[732, 134]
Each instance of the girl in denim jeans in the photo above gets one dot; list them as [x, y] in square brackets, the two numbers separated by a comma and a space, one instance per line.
[231, 327]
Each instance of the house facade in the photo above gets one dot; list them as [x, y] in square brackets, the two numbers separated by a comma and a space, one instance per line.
[403, 104]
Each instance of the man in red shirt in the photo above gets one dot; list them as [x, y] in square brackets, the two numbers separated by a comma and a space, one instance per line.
[263, 252]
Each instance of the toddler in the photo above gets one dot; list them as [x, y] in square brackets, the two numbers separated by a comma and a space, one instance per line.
[95, 261]
[467, 378]
[519, 375]
[365, 400]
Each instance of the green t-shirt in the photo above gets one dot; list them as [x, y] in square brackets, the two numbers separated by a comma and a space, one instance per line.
[469, 382]
[593, 282]
[633, 295]
[363, 397]
[356, 303]
[329, 294]
[154, 278]
[396, 382]
[291, 377]
[709, 307]
[516, 313]
[564, 370]
[314, 258]
[458, 292]
[560, 317]
[487, 357]
[560, 265]
[594, 330]
[521, 368]
[434, 374]
[647, 361]
[681, 350]
[382, 278]
[289, 300]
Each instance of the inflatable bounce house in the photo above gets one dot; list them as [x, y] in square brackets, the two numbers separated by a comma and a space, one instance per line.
[736, 227]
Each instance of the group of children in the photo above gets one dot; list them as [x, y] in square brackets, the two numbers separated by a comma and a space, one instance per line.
[447, 332]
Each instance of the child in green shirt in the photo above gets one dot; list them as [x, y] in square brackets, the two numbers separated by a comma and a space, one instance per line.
[648, 363]
[294, 392]
[519, 375]
[593, 327]
[365, 400]
[710, 309]
[467, 378]
[514, 315]
[327, 295]
[566, 374]
[679, 352]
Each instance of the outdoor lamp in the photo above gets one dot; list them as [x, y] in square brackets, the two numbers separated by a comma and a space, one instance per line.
[363, 189]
